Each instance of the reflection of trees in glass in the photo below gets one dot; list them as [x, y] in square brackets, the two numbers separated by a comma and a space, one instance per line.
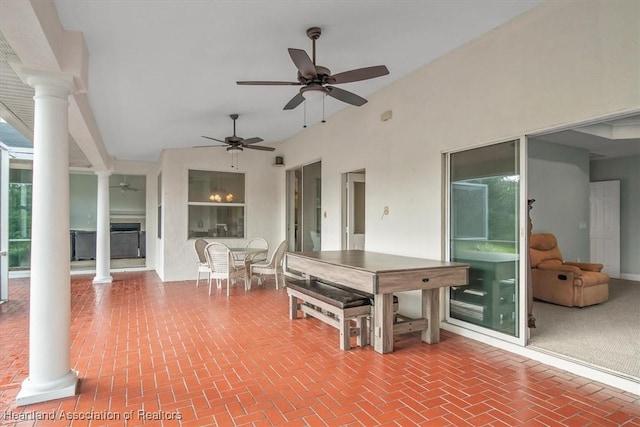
[19, 211]
[502, 210]
[20, 193]
[502, 198]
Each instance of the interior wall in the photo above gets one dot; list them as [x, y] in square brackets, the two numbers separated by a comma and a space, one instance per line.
[83, 201]
[627, 170]
[560, 63]
[127, 202]
[559, 182]
[264, 207]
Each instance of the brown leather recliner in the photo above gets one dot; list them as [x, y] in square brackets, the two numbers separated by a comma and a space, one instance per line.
[572, 284]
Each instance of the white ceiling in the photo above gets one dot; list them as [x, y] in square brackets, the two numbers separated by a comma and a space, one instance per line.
[163, 73]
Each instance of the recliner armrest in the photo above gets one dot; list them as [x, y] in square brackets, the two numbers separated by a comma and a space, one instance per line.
[564, 268]
[586, 266]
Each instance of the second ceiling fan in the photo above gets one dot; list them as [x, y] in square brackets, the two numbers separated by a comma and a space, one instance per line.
[235, 143]
[317, 80]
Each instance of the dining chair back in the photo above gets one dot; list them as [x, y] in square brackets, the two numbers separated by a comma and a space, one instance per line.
[203, 265]
[251, 257]
[220, 260]
[273, 266]
[258, 243]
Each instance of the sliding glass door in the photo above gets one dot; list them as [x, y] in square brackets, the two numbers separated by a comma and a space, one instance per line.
[4, 224]
[304, 207]
[484, 229]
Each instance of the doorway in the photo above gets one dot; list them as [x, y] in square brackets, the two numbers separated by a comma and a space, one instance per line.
[563, 167]
[354, 197]
[304, 208]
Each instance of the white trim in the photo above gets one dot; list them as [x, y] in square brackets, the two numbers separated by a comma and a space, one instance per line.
[611, 378]
[60, 388]
[629, 276]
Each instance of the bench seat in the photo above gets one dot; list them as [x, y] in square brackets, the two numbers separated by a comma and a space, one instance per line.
[333, 305]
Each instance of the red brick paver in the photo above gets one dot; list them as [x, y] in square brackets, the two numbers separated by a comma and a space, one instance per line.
[165, 354]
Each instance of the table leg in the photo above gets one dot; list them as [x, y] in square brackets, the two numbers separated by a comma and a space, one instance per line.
[383, 326]
[431, 312]
[293, 307]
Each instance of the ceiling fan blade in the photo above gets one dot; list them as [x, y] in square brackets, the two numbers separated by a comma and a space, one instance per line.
[360, 74]
[303, 63]
[252, 140]
[294, 102]
[345, 96]
[268, 83]
[259, 147]
[214, 139]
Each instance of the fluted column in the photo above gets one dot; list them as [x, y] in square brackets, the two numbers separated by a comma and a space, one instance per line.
[50, 375]
[103, 235]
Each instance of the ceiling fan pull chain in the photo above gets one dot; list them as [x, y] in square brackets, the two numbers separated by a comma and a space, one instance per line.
[323, 98]
[304, 125]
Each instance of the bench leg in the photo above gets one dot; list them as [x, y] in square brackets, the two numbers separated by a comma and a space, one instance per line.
[362, 323]
[345, 334]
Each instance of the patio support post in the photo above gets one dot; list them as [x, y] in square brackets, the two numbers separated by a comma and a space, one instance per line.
[103, 245]
[50, 376]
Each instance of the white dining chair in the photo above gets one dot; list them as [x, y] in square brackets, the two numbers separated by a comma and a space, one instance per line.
[220, 260]
[273, 266]
[203, 265]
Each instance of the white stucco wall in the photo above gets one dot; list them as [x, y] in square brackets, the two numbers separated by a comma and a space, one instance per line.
[264, 203]
[559, 64]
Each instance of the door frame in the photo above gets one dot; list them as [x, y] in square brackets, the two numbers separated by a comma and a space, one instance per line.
[348, 179]
[4, 223]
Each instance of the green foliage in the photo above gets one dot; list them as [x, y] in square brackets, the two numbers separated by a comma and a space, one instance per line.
[19, 224]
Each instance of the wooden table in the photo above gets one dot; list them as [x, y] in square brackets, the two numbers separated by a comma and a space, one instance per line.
[382, 275]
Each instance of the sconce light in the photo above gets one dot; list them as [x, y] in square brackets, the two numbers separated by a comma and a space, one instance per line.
[279, 161]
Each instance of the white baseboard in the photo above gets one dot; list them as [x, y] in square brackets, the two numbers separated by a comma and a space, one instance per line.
[627, 276]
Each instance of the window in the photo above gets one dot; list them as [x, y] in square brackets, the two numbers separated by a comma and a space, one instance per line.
[216, 204]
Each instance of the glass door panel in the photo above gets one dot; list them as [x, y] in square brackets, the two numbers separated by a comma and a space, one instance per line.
[483, 229]
[4, 224]
[304, 207]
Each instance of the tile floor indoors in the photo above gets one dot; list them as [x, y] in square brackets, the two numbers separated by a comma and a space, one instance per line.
[145, 350]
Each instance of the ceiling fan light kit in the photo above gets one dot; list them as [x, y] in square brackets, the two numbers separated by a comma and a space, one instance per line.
[312, 92]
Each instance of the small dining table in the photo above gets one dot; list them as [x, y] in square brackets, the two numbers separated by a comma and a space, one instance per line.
[247, 255]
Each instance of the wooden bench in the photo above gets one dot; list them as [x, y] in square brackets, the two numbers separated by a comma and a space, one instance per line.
[336, 306]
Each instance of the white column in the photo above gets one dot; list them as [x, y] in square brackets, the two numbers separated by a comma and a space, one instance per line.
[103, 235]
[50, 375]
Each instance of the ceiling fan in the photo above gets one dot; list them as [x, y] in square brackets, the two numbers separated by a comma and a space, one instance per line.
[236, 143]
[124, 186]
[316, 80]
